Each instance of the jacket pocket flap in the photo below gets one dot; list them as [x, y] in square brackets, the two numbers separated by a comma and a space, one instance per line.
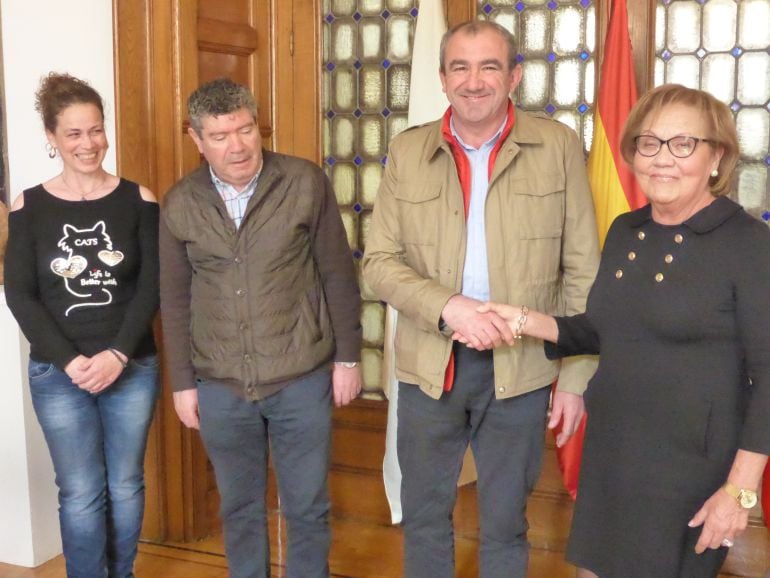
[418, 192]
[539, 186]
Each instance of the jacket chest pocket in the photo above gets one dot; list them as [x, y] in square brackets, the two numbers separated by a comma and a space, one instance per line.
[419, 208]
[539, 206]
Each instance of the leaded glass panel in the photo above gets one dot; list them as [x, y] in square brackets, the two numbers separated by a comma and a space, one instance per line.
[371, 91]
[753, 28]
[719, 76]
[344, 182]
[684, 26]
[371, 6]
[371, 33]
[723, 46]
[754, 78]
[367, 56]
[556, 44]
[719, 22]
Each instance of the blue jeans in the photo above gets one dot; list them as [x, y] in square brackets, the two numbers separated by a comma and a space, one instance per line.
[295, 424]
[97, 445]
[507, 438]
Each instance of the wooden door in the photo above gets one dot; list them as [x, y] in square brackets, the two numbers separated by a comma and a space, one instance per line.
[164, 49]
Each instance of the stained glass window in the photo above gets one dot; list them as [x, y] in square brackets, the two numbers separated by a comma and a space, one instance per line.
[723, 46]
[366, 65]
[556, 46]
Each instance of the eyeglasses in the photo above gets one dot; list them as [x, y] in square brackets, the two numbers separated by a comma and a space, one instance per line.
[680, 146]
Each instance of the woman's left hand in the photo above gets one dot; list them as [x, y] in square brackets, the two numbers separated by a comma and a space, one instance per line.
[100, 372]
[722, 518]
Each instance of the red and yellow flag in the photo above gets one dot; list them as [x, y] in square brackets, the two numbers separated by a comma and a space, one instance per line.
[614, 187]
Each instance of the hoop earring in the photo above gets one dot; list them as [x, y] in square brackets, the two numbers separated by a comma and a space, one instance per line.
[51, 150]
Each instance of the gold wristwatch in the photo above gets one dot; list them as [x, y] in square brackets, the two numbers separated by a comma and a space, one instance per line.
[746, 498]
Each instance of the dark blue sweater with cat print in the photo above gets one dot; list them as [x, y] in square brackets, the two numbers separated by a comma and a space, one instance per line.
[82, 276]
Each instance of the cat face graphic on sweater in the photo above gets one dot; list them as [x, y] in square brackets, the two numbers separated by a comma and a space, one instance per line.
[85, 269]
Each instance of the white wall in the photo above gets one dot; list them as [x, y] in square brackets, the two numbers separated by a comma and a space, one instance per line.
[38, 36]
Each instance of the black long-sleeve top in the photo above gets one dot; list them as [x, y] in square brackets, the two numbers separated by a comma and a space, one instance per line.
[82, 276]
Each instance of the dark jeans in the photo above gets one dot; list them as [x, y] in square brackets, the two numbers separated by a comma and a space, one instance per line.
[97, 445]
[296, 425]
[506, 437]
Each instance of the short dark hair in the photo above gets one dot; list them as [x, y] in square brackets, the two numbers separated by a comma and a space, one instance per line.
[474, 27]
[218, 97]
[59, 90]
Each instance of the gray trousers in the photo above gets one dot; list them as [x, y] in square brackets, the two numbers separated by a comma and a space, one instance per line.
[295, 424]
[506, 437]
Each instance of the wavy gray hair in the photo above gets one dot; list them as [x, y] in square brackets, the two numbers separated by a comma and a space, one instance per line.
[218, 97]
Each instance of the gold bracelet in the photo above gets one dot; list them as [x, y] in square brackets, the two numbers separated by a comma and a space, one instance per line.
[520, 322]
[117, 356]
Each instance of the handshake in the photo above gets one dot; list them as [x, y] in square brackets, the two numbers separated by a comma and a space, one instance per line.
[488, 325]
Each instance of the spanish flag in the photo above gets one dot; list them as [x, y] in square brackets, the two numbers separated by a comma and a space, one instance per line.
[614, 187]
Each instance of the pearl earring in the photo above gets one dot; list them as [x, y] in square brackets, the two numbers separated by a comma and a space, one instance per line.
[714, 174]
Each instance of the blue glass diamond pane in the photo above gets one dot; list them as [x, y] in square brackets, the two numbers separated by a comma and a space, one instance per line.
[386, 112]
[519, 58]
[357, 64]
[665, 55]
[737, 51]
[487, 8]
[357, 254]
[735, 106]
[766, 215]
[414, 12]
[385, 14]
[384, 160]
[585, 3]
[357, 208]
[330, 114]
[520, 6]
[329, 66]
[551, 57]
[584, 55]
[357, 113]
[329, 18]
[767, 160]
[552, 5]
[357, 16]
[330, 161]
[582, 108]
[386, 63]
[358, 161]
[550, 109]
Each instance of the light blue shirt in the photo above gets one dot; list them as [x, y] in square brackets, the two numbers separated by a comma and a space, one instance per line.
[476, 270]
[235, 201]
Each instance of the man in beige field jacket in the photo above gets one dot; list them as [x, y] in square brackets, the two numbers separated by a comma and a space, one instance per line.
[538, 232]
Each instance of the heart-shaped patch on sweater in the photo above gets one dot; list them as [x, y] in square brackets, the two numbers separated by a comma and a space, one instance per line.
[110, 258]
[69, 268]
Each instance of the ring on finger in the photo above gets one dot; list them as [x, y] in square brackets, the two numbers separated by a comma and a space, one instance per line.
[727, 543]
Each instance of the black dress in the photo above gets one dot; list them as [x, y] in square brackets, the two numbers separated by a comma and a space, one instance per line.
[679, 317]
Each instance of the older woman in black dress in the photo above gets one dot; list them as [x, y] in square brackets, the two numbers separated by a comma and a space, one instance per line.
[678, 434]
